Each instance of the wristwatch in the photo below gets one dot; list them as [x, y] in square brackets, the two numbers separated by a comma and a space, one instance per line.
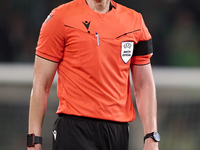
[32, 140]
[154, 135]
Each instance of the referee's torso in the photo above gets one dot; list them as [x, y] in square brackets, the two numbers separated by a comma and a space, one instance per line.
[94, 52]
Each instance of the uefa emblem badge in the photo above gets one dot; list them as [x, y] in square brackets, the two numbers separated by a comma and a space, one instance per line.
[127, 50]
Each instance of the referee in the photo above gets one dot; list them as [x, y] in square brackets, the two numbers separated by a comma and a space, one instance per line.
[92, 44]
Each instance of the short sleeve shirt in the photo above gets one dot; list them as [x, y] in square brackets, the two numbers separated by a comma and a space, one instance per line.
[94, 52]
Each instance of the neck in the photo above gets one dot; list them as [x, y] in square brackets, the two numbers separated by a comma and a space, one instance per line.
[100, 6]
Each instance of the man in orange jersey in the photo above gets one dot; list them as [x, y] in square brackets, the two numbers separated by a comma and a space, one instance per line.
[92, 44]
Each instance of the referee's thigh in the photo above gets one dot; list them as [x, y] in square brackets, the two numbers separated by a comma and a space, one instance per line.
[81, 133]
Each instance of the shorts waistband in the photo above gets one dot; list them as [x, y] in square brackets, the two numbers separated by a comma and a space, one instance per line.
[83, 118]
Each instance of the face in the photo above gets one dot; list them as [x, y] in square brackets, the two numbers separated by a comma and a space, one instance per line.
[100, 1]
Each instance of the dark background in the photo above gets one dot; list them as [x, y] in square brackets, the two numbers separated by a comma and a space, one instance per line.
[174, 25]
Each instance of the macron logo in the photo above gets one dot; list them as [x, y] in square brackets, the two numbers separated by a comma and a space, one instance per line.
[54, 134]
[87, 24]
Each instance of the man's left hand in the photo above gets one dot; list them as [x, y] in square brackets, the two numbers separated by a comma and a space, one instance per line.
[150, 144]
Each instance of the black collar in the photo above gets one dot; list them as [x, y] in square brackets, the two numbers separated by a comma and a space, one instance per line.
[112, 6]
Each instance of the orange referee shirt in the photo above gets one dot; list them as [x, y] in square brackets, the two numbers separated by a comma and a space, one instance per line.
[94, 52]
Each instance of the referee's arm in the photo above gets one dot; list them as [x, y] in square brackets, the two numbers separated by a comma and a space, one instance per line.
[145, 94]
[44, 72]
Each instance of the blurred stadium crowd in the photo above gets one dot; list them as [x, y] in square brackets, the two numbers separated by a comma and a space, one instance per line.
[174, 25]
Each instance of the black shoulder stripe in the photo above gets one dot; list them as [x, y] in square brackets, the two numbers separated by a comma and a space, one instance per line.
[128, 33]
[69, 26]
[143, 48]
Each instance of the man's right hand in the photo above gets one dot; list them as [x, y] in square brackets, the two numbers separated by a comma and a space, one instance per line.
[44, 72]
[36, 147]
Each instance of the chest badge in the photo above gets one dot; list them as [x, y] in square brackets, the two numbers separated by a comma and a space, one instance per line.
[127, 50]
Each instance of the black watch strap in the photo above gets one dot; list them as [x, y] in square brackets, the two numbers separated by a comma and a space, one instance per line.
[37, 140]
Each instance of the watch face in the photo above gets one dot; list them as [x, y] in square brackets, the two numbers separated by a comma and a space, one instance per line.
[156, 136]
[30, 140]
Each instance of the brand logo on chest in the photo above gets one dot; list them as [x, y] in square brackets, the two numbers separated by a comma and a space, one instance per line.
[87, 24]
[127, 50]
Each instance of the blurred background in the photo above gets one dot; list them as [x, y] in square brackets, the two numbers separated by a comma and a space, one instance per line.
[175, 27]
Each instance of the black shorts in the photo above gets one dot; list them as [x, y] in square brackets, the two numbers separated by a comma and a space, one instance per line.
[82, 133]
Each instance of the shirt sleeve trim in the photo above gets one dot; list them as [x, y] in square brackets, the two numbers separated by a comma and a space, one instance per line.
[140, 65]
[46, 59]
